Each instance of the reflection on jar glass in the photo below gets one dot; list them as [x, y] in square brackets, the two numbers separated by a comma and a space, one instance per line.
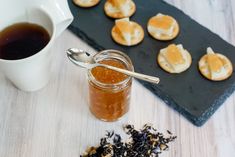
[110, 91]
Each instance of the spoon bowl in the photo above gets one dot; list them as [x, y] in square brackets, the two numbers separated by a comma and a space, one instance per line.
[81, 58]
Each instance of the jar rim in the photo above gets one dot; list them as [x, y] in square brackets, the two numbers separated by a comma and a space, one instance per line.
[123, 58]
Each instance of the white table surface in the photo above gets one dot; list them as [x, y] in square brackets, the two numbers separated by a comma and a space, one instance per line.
[56, 122]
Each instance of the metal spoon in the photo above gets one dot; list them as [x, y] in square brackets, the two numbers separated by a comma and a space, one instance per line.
[85, 60]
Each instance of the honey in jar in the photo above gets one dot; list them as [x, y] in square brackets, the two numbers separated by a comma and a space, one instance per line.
[109, 91]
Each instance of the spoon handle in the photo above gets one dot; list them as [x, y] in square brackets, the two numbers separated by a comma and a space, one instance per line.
[148, 78]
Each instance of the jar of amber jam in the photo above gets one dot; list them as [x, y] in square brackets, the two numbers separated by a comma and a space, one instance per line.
[110, 91]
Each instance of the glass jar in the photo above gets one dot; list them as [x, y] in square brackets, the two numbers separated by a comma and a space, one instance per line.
[110, 91]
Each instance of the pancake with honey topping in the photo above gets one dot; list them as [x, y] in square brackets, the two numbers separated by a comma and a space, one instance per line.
[163, 27]
[126, 32]
[215, 66]
[174, 59]
[86, 3]
[119, 8]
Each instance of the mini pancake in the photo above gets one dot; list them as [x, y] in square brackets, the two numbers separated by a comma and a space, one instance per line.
[174, 59]
[215, 66]
[86, 3]
[163, 27]
[127, 32]
[119, 8]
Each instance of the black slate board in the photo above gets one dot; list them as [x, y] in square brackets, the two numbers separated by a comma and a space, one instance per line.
[189, 93]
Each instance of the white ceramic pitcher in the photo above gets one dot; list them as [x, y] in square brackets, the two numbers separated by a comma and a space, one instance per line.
[33, 73]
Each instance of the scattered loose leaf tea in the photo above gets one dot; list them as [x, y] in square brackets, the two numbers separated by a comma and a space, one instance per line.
[146, 142]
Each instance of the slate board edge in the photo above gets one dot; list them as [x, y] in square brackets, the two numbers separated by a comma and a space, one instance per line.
[85, 38]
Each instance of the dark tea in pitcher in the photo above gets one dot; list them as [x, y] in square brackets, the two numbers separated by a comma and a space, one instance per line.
[22, 40]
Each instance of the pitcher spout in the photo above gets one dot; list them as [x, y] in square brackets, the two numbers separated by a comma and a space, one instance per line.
[60, 13]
